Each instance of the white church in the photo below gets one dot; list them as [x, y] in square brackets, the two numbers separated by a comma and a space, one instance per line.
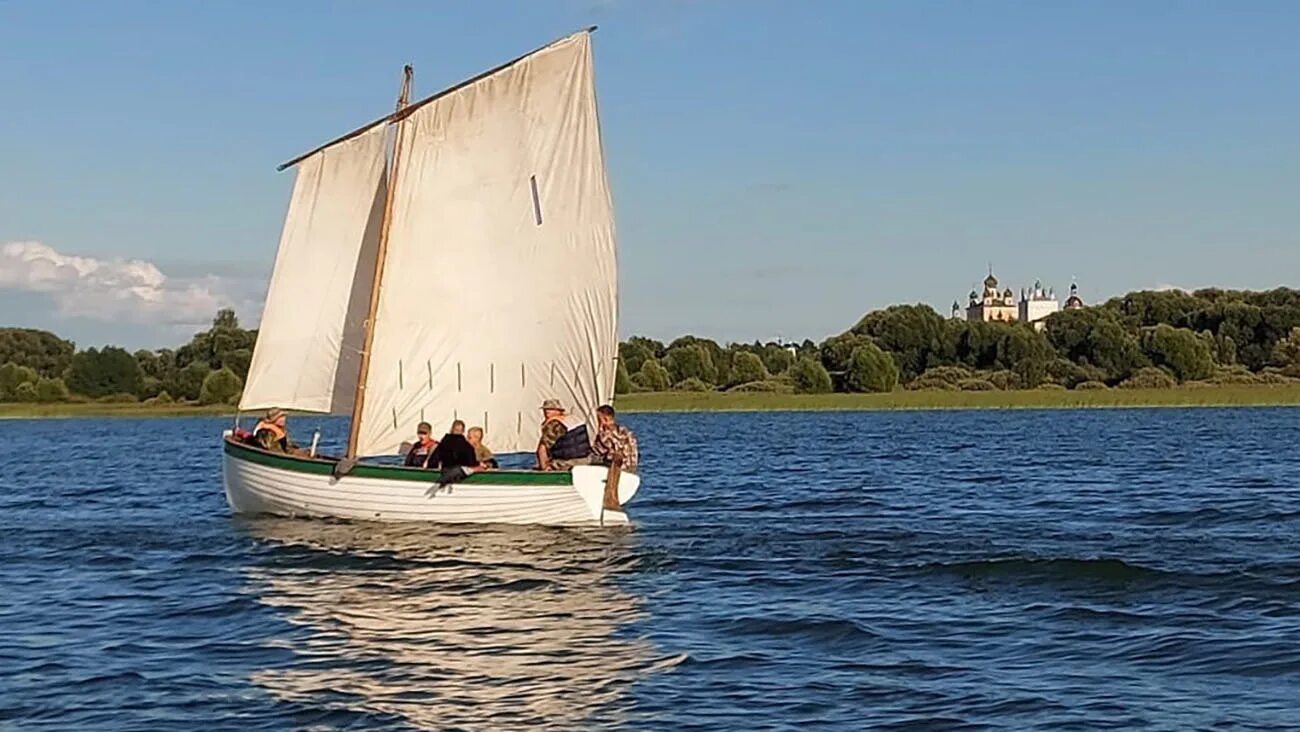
[1034, 305]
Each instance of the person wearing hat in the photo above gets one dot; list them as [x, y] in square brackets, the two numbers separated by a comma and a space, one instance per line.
[272, 432]
[418, 454]
[564, 442]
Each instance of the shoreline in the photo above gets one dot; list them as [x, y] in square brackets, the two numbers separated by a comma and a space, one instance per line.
[671, 402]
[1204, 396]
[73, 410]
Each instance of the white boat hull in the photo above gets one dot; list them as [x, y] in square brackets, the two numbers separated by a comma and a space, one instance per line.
[259, 482]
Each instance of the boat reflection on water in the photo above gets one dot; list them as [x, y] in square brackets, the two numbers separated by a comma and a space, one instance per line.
[441, 626]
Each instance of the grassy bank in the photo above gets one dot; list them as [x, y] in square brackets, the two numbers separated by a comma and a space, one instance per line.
[12, 410]
[1205, 396]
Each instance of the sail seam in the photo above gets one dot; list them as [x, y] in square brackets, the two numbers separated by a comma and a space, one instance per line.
[537, 203]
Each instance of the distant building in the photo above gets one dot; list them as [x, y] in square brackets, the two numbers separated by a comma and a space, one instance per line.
[1074, 302]
[992, 304]
[789, 348]
[1036, 304]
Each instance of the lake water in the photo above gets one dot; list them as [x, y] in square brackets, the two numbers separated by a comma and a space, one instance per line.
[956, 570]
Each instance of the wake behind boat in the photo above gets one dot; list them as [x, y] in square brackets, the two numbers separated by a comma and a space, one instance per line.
[453, 260]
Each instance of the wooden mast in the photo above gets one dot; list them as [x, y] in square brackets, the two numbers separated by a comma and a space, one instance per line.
[359, 401]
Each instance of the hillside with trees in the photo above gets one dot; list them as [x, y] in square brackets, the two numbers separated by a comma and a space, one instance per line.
[1141, 340]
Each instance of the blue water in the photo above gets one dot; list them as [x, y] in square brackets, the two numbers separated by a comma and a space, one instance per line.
[1017, 570]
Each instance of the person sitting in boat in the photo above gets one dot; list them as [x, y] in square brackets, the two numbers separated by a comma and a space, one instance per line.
[614, 441]
[418, 455]
[486, 460]
[564, 441]
[272, 432]
[453, 450]
[454, 456]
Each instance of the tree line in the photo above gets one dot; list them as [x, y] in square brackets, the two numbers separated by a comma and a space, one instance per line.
[1143, 339]
[38, 366]
[1147, 339]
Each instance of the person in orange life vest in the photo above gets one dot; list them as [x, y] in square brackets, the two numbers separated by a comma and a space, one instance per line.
[272, 432]
[418, 455]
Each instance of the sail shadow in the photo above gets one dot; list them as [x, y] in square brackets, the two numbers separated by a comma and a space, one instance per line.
[358, 309]
[448, 627]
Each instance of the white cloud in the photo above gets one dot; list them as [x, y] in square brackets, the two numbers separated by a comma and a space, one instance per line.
[114, 289]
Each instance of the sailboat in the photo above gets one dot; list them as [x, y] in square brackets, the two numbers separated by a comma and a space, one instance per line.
[455, 259]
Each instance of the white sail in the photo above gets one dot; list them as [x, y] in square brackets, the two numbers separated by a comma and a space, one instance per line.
[499, 288]
[308, 344]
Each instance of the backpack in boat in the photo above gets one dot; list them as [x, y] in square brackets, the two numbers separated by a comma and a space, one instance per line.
[572, 444]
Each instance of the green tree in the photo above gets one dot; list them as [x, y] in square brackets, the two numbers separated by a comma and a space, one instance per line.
[219, 387]
[97, 373]
[871, 369]
[189, 381]
[690, 361]
[159, 368]
[160, 364]
[836, 352]
[747, 367]
[224, 345]
[51, 390]
[1068, 332]
[1244, 324]
[11, 376]
[25, 392]
[1181, 351]
[1092, 337]
[653, 376]
[1149, 308]
[1225, 350]
[1026, 352]
[633, 353]
[1070, 374]
[976, 344]
[810, 377]
[1286, 353]
[1114, 350]
[1149, 377]
[776, 359]
[42, 351]
[716, 366]
[150, 387]
[237, 360]
[622, 382]
[915, 334]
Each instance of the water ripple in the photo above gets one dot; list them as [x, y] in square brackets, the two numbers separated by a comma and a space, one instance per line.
[961, 570]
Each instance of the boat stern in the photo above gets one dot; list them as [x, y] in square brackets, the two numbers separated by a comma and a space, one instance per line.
[589, 483]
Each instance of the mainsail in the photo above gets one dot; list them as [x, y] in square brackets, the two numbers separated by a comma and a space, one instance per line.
[499, 289]
[499, 285]
[310, 338]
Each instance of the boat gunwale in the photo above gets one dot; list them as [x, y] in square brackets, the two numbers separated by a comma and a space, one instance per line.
[322, 466]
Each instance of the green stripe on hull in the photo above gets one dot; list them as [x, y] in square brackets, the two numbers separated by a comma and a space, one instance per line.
[391, 472]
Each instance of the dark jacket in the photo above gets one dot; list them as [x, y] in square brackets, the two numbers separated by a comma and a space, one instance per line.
[418, 454]
[454, 451]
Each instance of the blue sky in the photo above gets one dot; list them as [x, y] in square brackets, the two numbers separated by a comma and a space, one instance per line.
[778, 168]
